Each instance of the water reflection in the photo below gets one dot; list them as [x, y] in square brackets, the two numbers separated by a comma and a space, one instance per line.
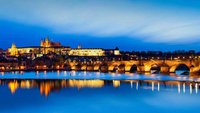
[116, 83]
[13, 86]
[158, 86]
[183, 87]
[47, 86]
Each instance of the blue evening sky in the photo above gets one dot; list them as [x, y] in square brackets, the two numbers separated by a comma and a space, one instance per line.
[129, 24]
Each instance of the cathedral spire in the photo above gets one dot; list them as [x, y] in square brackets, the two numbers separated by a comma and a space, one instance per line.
[13, 45]
[47, 39]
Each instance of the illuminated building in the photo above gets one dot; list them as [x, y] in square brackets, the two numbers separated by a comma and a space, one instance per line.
[87, 51]
[116, 51]
[13, 50]
[47, 46]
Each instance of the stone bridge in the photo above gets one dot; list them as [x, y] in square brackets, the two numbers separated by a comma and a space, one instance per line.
[165, 66]
[4, 66]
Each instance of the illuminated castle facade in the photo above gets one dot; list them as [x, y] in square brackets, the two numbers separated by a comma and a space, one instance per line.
[47, 43]
[87, 51]
[47, 46]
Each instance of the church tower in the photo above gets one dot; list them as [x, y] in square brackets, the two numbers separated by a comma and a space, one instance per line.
[45, 43]
[13, 50]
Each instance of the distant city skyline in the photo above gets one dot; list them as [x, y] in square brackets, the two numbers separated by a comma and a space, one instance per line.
[129, 24]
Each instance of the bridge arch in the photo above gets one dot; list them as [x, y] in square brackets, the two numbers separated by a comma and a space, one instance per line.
[67, 67]
[150, 65]
[155, 68]
[90, 68]
[113, 68]
[77, 67]
[121, 68]
[83, 67]
[180, 66]
[133, 68]
[103, 67]
[2, 67]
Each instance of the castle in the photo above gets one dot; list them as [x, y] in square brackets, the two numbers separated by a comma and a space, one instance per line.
[48, 46]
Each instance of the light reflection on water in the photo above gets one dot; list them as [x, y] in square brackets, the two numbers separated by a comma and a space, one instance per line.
[59, 94]
[47, 86]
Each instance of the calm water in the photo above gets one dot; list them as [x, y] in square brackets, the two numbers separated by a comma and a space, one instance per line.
[83, 92]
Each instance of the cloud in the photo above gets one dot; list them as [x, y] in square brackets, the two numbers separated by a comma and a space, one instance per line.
[157, 21]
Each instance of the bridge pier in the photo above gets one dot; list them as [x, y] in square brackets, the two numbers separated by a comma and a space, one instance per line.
[142, 68]
[96, 68]
[127, 68]
[90, 68]
[104, 68]
[194, 69]
[164, 69]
